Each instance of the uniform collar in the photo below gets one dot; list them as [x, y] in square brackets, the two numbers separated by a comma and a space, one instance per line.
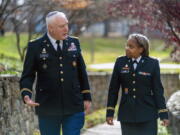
[52, 40]
[138, 59]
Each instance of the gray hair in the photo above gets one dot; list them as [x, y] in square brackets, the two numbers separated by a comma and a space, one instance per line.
[52, 15]
[142, 41]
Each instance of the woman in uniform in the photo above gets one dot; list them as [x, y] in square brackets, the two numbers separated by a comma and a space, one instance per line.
[142, 100]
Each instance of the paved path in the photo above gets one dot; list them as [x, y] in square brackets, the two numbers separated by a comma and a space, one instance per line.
[111, 65]
[104, 129]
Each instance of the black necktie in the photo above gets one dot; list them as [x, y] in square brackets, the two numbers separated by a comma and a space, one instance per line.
[135, 62]
[58, 46]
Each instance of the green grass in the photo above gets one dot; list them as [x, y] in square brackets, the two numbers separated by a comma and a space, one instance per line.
[108, 49]
[105, 50]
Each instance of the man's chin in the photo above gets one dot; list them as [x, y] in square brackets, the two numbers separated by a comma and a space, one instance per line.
[65, 37]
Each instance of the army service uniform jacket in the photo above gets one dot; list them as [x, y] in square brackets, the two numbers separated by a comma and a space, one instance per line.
[142, 91]
[62, 82]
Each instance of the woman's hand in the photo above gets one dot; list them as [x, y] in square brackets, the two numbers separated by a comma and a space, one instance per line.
[109, 120]
[165, 122]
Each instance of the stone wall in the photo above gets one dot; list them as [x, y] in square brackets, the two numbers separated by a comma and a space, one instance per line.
[100, 82]
[18, 119]
[15, 117]
[173, 105]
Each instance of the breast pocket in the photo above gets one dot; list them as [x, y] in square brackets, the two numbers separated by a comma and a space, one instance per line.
[73, 55]
[144, 77]
[125, 75]
[46, 62]
[73, 58]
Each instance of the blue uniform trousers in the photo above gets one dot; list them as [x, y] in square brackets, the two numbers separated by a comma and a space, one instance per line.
[70, 124]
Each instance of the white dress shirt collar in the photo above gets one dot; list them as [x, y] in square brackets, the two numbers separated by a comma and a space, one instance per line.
[53, 41]
[138, 59]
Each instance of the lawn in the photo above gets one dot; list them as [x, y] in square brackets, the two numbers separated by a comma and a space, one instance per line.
[95, 50]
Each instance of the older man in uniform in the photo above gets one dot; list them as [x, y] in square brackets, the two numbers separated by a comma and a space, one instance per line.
[62, 88]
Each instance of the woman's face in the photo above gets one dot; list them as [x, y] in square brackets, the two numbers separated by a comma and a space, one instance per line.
[132, 49]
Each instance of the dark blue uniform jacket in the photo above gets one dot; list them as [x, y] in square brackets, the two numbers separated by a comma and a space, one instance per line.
[142, 91]
[62, 82]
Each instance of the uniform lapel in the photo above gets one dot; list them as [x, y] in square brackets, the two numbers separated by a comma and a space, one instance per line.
[50, 47]
[141, 63]
[65, 45]
[129, 63]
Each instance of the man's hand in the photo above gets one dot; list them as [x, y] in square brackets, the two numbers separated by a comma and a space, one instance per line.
[29, 102]
[87, 105]
[165, 122]
[109, 120]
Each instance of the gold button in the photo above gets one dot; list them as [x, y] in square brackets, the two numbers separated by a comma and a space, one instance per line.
[62, 79]
[61, 72]
[60, 58]
[134, 89]
[134, 74]
[61, 65]
[134, 82]
[134, 96]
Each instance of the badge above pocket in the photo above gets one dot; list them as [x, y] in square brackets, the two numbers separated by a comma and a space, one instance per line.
[43, 56]
[144, 73]
[125, 69]
[72, 47]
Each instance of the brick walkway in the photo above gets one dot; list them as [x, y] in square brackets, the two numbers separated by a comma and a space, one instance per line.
[104, 129]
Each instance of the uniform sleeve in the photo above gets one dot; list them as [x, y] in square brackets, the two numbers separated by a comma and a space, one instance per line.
[113, 91]
[28, 74]
[158, 91]
[83, 77]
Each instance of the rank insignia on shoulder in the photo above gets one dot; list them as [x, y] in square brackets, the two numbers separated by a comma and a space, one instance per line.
[74, 37]
[72, 47]
[126, 90]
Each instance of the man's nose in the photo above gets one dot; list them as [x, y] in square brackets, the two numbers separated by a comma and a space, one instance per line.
[66, 28]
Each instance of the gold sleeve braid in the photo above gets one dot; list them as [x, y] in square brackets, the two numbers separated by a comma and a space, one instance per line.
[26, 89]
[162, 110]
[85, 91]
[110, 108]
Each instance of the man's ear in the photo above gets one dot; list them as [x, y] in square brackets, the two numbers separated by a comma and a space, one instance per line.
[50, 28]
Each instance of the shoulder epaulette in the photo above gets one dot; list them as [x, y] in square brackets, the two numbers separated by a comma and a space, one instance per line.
[120, 56]
[74, 37]
[32, 40]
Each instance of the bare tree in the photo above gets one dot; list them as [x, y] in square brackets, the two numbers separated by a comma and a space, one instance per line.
[30, 14]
